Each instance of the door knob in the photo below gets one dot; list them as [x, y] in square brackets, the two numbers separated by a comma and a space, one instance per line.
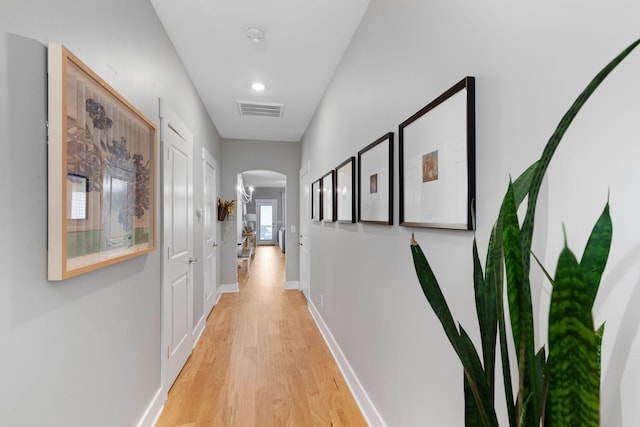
[215, 245]
[192, 260]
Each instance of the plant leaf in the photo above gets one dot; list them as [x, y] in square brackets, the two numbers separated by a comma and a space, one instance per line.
[544, 270]
[574, 382]
[513, 263]
[596, 253]
[520, 307]
[487, 318]
[599, 336]
[433, 293]
[472, 417]
[522, 184]
[476, 380]
[461, 343]
[541, 370]
[494, 278]
[554, 141]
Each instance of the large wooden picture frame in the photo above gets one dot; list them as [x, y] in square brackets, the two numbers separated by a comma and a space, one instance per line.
[375, 181]
[437, 161]
[102, 172]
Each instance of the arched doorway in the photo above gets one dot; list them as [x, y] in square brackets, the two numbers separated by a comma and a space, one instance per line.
[262, 208]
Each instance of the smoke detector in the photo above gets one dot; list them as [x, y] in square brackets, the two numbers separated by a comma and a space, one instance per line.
[254, 34]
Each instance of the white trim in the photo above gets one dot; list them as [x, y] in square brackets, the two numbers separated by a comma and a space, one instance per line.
[199, 330]
[274, 233]
[228, 289]
[154, 410]
[305, 291]
[207, 158]
[369, 411]
[292, 284]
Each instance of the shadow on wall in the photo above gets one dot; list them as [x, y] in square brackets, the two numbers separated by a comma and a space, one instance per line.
[622, 361]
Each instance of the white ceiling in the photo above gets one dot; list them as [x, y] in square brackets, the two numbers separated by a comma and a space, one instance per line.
[304, 41]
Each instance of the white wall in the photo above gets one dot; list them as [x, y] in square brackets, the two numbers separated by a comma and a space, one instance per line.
[84, 351]
[530, 62]
[241, 156]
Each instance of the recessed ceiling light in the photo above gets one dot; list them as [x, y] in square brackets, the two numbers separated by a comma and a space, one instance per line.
[254, 34]
[257, 86]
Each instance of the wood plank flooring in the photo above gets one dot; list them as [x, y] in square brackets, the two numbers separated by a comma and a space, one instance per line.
[261, 361]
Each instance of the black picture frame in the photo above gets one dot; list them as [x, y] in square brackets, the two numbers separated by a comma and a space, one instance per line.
[345, 177]
[328, 192]
[437, 161]
[375, 181]
[316, 200]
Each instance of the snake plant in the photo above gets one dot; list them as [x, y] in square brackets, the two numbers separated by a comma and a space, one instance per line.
[558, 389]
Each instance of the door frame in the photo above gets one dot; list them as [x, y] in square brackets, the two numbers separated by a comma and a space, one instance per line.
[274, 234]
[207, 158]
[304, 242]
[170, 119]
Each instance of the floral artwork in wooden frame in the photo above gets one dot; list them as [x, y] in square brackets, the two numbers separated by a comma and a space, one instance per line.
[102, 172]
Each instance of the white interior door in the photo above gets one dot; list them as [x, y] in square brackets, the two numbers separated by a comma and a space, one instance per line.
[267, 216]
[177, 244]
[305, 241]
[209, 230]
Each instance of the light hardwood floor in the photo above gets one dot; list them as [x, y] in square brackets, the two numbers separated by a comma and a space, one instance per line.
[261, 361]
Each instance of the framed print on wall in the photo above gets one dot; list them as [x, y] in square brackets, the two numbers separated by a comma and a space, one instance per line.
[316, 200]
[345, 194]
[437, 161]
[328, 197]
[375, 181]
[102, 172]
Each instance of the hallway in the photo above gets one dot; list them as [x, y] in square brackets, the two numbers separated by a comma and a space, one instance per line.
[261, 361]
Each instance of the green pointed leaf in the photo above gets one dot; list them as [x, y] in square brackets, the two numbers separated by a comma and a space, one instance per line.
[520, 307]
[513, 264]
[472, 416]
[494, 278]
[461, 343]
[526, 410]
[554, 141]
[544, 270]
[599, 336]
[574, 382]
[541, 370]
[477, 380]
[522, 184]
[596, 253]
[433, 293]
[486, 310]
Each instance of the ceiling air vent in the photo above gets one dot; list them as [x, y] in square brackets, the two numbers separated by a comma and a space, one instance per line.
[260, 109]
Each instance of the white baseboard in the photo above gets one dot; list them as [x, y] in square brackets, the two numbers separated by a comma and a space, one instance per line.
[369, 411]
[294, 284]
[152, 414]
[198, 331]
[228, 289]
